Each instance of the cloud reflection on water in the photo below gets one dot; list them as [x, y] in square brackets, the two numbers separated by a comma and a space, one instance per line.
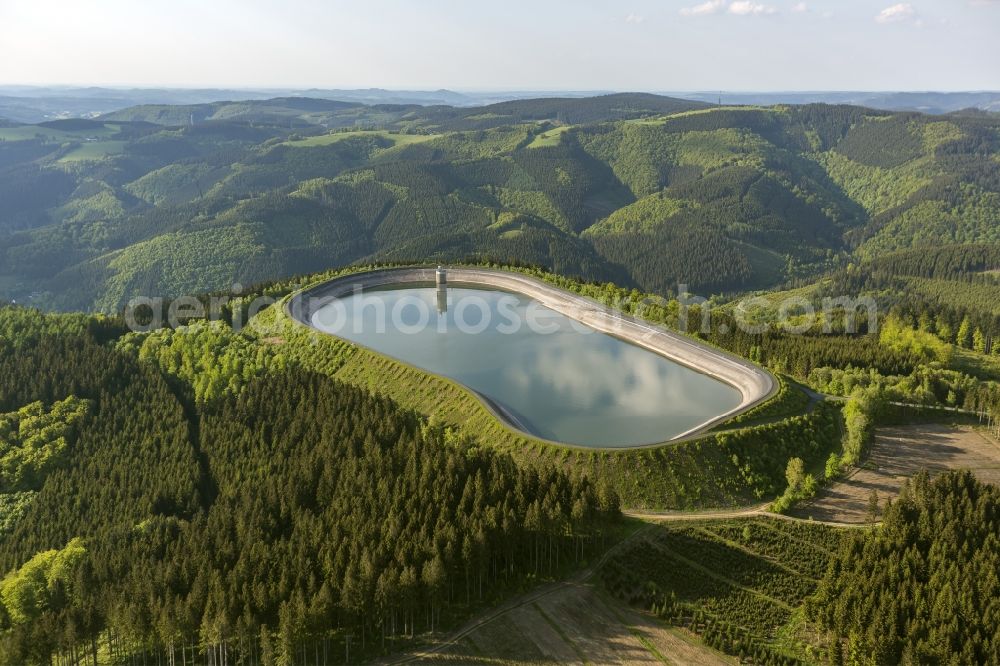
[581, 388]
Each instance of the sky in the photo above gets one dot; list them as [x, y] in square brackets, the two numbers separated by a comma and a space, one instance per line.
[654, 45]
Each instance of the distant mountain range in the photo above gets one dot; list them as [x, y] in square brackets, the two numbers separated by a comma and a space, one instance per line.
[924, 102]
[29, 104]
[32, 104]
[309, 113]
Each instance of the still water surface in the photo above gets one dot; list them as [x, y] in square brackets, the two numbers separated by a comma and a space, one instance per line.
[553, 376]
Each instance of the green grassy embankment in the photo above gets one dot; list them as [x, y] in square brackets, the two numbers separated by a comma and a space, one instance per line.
[721, 469]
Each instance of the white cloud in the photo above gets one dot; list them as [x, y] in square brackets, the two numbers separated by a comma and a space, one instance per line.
[747, 8]
[710, 7]
[904, 11]
[634, 18]
[739, 7]
[800, 8]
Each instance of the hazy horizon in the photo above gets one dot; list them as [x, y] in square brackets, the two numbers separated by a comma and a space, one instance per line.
[473, 90]
[641, 45]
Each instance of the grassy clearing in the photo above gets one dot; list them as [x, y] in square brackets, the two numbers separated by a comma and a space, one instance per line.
[549, 138]
[660, 120]
[26, 132]
[94, 150]
[578, 625]
[788, 401]
[764, 308]
[336, 137]
[976, 364]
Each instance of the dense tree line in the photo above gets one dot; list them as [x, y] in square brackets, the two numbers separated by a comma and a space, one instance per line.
[23, 328]
[272, 519]
[35, 440]
[28, 191]
[702, 259]
[957, 312]
[798, 355]
[921, 588]
[28, 150]
[566, 110]
[951, 262]
[885, 142]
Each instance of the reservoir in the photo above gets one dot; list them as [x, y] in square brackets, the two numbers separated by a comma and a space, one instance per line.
[545, 373]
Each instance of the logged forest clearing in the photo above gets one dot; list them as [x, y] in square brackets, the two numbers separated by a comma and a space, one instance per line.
[897, 454]
[618, 616]
[715, 566]
[576, 624]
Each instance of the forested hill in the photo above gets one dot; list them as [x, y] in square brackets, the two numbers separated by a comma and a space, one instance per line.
[644, 190]
[155, 513]
[304, 112]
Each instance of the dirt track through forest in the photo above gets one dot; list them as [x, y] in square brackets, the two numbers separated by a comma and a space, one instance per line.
[575, 624]
[572, 622]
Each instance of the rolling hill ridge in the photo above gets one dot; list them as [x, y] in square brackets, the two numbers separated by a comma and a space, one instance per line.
[644, 190]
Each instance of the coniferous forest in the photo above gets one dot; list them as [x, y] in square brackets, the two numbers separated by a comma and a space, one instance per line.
[264, 526]
[923, 588]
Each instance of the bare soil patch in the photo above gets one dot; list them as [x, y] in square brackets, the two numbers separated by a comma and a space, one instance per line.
[897, 454]
[575, 624]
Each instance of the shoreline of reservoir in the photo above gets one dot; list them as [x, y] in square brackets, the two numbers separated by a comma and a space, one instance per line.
[753, 383]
